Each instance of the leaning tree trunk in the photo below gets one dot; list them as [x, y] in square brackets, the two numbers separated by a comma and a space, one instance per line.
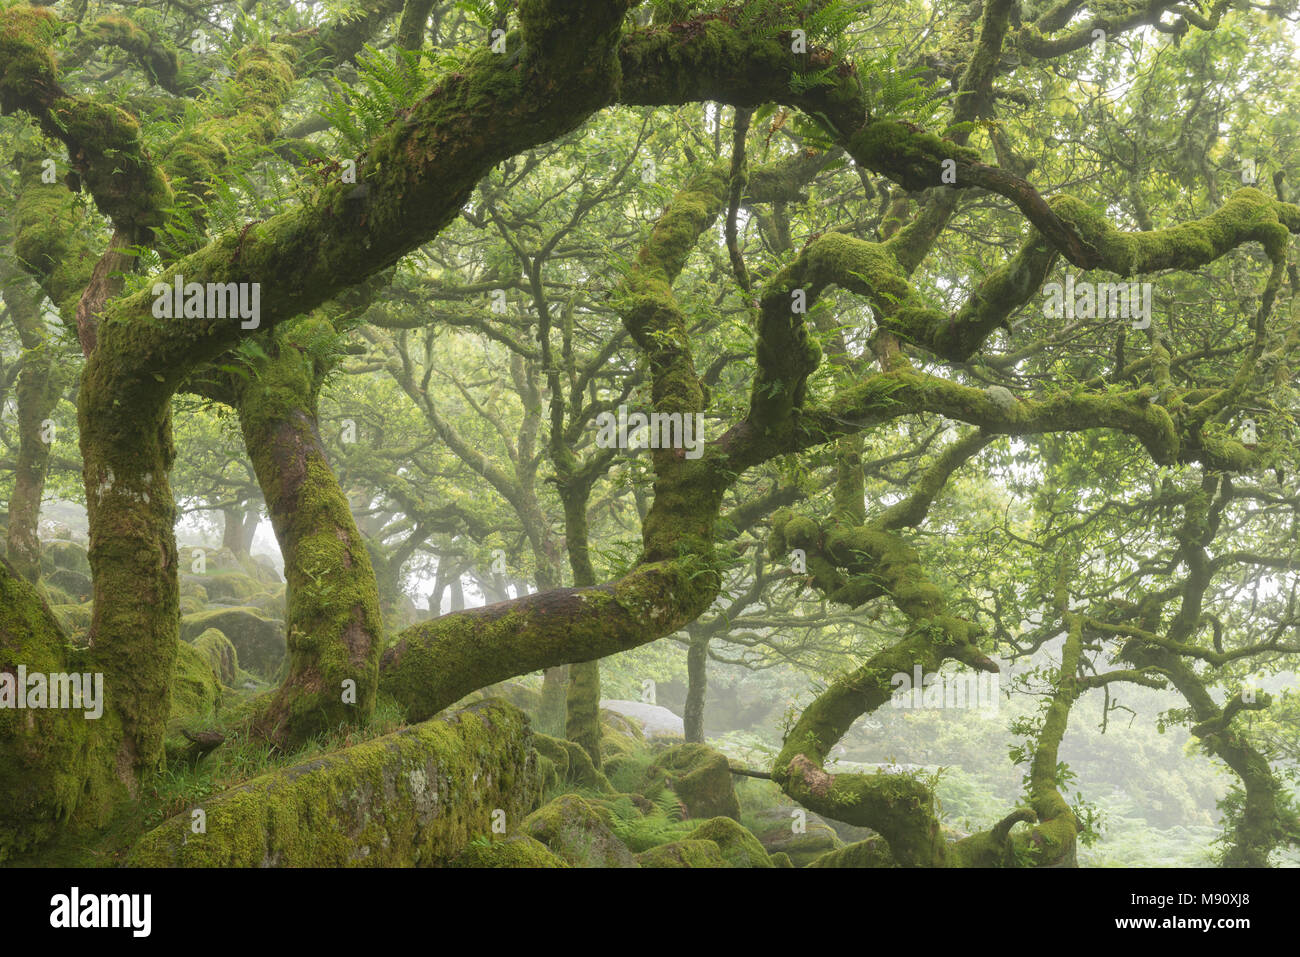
[334, 626]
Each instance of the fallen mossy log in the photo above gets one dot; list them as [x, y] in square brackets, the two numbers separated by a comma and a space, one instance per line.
[416, 797]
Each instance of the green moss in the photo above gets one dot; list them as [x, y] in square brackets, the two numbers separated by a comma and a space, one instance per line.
[197, 158]
[517, 850]
[800, 837]
[417, 797]
[47, 755]
[688, 853]
[50, 239]
[215, 648]
[739, 847]
[906, 154]
[26, 55]
[1248, 215]
[67, 555]
[873, 852]
[621, 737]
[547, 773]
[196, 689]
[572, 829]
[74, 620]
[159, 61]
[572, 763]
[259, 641]
[700, 777]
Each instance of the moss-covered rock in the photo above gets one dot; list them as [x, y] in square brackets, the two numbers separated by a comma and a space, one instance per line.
[688, 853]
[56, 596]
[192, 587]
[65, 554]
[272, 605]
[547, 773]
[416, 797]
[220, 655]
[74, 584]
[781, 859]
[873, 852]
[259, 641]
[803, 837]
[263, 569]
[572, 828]
[572, 763]
[196, 690]
[75, 620]
[553, 749]
[195, 698]
[701, 778]
[621, 736]
[233, 588]
[517, 850]
[739, 847]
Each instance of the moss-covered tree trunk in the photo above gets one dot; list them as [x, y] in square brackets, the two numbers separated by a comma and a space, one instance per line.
[127, 453]
[697, 682]
[419, 175]
[50, 247]
[1265, 819]
[552, 712]
[334, 626]
[582, 702]
[40, 384]
[582, 708]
